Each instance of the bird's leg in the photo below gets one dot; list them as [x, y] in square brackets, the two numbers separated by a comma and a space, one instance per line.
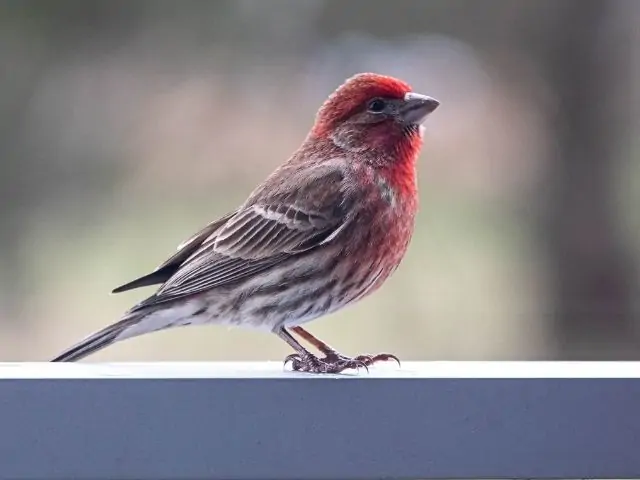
[302, 360]
[315, 341]
[305, 361]
[333, 356]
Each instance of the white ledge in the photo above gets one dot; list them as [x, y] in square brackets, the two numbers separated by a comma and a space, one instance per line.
[141, 370]
[257, 421]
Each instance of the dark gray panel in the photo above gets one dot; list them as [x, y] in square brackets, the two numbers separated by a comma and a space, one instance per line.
[319, 428]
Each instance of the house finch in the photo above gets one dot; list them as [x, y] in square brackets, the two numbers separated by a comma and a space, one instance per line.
[324, 230]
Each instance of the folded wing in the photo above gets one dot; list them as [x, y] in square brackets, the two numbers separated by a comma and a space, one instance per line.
[275, 224]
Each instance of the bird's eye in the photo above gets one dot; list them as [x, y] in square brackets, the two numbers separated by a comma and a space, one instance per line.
[377, 105]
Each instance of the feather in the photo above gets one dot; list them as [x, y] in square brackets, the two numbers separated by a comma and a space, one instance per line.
[96, 341]
[267, 230]
[165, 271]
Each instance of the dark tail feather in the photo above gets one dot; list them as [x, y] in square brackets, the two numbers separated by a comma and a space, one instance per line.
[154, 278]
[95, 342]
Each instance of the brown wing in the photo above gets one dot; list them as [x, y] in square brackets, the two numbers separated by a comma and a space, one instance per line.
[276, 223]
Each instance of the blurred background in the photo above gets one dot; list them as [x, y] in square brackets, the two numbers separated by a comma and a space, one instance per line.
[127, 126]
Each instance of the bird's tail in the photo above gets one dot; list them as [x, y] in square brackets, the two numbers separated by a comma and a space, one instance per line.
[96, 341]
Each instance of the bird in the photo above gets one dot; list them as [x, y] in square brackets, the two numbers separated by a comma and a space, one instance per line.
[327, 228]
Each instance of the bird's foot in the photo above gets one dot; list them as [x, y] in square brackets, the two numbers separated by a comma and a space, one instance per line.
[335, 362]
[365, 359]
[312, 364]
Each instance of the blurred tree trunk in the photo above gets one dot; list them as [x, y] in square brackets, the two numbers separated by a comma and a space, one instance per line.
[590, 269]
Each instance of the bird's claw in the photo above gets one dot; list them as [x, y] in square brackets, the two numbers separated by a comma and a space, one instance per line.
[366, 359]
[379, 357]
[334, 362]
[312, 364]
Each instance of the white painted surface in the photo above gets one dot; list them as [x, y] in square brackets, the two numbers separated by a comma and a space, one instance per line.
[41, 370]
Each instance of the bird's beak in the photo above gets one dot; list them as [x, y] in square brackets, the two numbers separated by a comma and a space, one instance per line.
[417, 107]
